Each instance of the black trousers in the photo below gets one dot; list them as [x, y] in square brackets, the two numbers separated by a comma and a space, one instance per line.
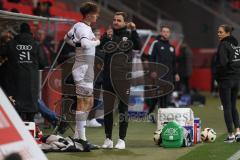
[109, 98]
[162, 102]
[184, 84]
[228, 90]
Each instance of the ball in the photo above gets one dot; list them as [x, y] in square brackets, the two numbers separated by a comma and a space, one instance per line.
[208, 135]
[157, 136]
[212, 135]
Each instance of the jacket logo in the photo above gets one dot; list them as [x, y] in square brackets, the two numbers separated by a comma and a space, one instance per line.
[124, 38]
[25, 57]
[171, 49]
[23, 47]
[236, 56]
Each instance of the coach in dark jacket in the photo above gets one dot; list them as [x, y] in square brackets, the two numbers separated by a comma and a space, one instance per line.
[24, 60]
[118, 40]
[163, 52]
[228, 76]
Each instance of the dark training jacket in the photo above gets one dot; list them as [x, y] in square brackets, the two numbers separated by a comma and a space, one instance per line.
[228, 59]
[24, 59]
[163, 52]
[116, 45]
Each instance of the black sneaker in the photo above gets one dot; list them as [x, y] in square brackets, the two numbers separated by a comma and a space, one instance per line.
[229, 139]
[237, 137]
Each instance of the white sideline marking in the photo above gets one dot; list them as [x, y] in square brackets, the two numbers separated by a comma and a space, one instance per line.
[236, 156]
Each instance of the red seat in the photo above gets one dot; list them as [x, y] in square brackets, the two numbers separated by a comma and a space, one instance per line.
[20, 7]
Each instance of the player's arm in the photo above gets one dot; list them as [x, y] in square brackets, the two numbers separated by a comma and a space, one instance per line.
[82, 37]
[154, 52]
[223, 57]
[134, 36]
[87, 43]
[69, 38]
[104, 39]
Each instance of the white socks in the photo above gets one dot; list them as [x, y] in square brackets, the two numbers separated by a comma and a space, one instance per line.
[80, 130]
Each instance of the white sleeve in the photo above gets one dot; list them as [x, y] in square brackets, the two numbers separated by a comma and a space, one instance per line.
[151, 47]
[82, 36]
[69, 37]
[69, 41]
[86, 43]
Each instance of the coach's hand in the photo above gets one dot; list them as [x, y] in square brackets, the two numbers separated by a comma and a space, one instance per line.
[131, 26]
[177, 78]
[110, 32]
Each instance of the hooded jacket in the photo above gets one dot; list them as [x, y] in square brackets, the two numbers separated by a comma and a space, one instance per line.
[228, 59]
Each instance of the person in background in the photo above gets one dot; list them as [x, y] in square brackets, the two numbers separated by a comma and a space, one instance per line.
[163, 52]
[184, 61]
[46, 48]
[6, 37]
[43, 9]
[228, 75]
[24, 60]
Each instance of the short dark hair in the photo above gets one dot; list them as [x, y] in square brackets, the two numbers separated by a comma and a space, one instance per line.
[25, 28]
[123, 14]
[227, 28]
[165, 26]
[88, 7]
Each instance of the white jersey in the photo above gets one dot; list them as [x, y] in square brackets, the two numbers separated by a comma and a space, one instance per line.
[82, 37]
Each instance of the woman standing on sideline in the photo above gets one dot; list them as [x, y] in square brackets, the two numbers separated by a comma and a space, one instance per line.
[228, 76]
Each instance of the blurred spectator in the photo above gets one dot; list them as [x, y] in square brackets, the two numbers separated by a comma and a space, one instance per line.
[24, 60]
[184, 61]
[43, 9]
[46, 47]
[6, 36]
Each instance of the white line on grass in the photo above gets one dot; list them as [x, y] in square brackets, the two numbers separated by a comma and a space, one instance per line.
[236, 156]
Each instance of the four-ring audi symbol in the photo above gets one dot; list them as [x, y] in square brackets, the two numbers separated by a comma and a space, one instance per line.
[24, 47]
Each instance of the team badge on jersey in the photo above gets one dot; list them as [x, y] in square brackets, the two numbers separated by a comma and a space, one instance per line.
[125, 38]
[171, 49]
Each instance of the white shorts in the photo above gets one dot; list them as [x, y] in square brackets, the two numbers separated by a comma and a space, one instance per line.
[82, 79]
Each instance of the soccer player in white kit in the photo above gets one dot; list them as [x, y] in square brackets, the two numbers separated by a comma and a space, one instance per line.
[82, 38]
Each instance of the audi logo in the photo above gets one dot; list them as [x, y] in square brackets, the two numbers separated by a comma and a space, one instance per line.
[24, 47]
